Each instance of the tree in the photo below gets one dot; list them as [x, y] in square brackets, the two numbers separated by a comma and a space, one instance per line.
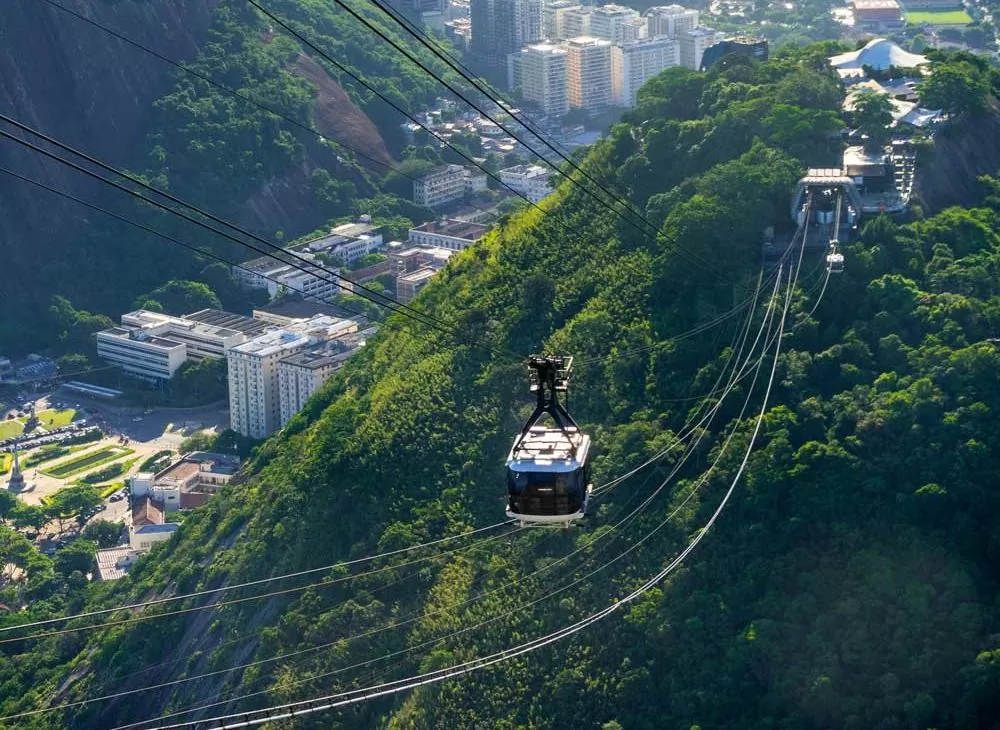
[872, 116]
[179, 297]
[15, 552]
[8, 504]
[103, 532]
[957, 88]
[72, 501]
[29, 515]
[77, 556]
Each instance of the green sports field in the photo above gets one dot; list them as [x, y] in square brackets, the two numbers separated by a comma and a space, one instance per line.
[938, 17]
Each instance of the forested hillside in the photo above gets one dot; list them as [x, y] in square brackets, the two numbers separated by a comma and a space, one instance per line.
[183, 134]
[850, 583]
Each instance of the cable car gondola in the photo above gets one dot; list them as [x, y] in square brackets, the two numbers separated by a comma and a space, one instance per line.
[834, 260]
[548, 474]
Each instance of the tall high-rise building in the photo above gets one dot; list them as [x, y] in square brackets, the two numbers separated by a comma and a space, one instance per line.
[588, 72]
[633, 63]
[576, 21]
[501, 27]
[254, 401]
[670, 20]
[544, 77]
[693, 44]
[606, 22]
[553, 18]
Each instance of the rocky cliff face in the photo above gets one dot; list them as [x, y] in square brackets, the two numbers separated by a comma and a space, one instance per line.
[78, 84]
[960, 155]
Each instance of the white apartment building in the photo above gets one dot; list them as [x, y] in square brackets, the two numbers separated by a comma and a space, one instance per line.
[632, 64]
[693, 44]
[588, 63]
[544, 77]
[607, 22]
[349, 242]
[302, 374]
[531, 181]
[554, 18]
[254, 405]
[670, 20]
[576, 21]
[447, 183]
[140, 354]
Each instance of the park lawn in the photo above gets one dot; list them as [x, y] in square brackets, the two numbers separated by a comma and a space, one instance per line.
[11, 428]
[51, 418]
[938, 17]
[86, 461]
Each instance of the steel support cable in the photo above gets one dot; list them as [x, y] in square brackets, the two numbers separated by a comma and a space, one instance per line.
[302, 39]
[637, 220]
[716, 387]
[616, 531]
[502, 101]
[232, 92]
[165, 237]
[305, 707]
[733, 353]
[120, 694]
[230, 602]
[272, 250]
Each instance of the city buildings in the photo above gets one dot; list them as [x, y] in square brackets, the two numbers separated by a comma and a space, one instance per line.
[576, 21]
[877, 15]
[459, 32]
[588, 72]
[531, 181]
[693, 44]
[308, 274]
[254, 387]
[302, 374]
[450, 234]
[543, 77]
[501, 27]
[554, 18]
[414, 267]
[670, 21]
[148, 526]
[186, 483]
[114, 563]
[632, 64]
[612, 22]
[153, 345]
[447, 183]
[753, 47]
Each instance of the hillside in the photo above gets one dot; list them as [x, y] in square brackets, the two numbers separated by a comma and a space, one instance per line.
[217, 151]
[850, 583]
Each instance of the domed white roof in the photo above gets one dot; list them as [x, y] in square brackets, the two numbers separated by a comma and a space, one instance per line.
[880, 54]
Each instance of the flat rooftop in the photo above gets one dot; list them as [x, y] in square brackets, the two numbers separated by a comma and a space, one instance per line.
[455, 229]
[301, 309]
[113, 563]
[227, 320]
[318, 358]
[415, 277]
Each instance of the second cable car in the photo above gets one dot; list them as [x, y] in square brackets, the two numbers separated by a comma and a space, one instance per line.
[548, 473]
[834, 260]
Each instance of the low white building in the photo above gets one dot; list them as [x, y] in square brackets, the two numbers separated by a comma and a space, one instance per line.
[148, 526]
[188, 482]
[140, 354]
[450, 234]
[153, 345]
[531, 181]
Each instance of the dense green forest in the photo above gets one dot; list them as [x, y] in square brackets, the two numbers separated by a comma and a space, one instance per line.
[850, 583]
[217, 151]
